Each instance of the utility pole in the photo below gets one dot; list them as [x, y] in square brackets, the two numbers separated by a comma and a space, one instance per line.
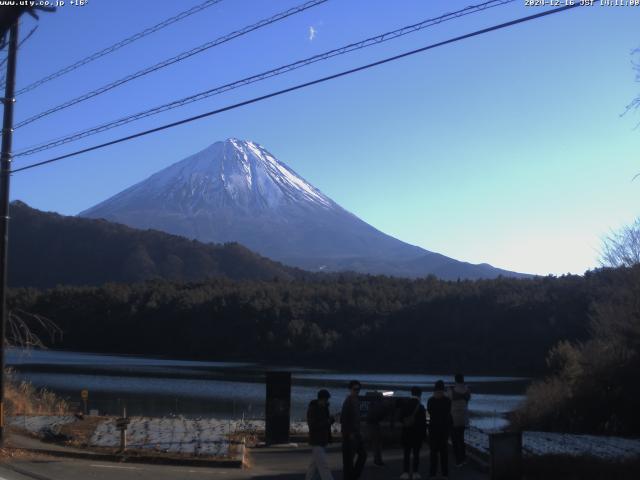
[5, 172]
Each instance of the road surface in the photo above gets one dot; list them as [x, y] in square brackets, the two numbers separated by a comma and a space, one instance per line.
[266, 463]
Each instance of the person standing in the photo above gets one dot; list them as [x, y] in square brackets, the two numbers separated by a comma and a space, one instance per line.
[319, 421]
[460, 396]
[414, 431]
[377, 412]
[352, 443]
[439, 408]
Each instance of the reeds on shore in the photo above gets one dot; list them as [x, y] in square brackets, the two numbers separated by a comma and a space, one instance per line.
[22, 398]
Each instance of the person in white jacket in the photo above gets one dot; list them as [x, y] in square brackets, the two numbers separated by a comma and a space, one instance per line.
[460, 396]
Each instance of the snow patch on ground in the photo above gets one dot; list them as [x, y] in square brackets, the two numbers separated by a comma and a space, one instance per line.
[541, 443]
[200, 437]
[39, 424]
[295, 427]
[544, 443]
[210, 436]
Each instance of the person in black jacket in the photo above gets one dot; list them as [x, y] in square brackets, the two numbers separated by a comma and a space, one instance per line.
[414, 431]
[439, 408]
[352, 444]
[375, 415]
[319, 421]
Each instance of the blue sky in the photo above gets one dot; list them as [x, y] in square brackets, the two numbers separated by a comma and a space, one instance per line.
[507, 148]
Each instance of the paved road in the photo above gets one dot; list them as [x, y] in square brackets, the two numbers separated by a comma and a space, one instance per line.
[267, 463]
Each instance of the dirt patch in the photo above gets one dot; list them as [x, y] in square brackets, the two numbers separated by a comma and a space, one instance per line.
[249, 438]
[9, 454]
[80, 432]
[12, 429]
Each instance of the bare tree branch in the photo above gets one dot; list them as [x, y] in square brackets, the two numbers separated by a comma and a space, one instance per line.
[635, 103]
[622, 248]
[22, 328]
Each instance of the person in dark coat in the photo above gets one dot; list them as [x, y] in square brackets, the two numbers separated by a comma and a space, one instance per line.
[377, 412]
[352, 443]
[319, 421]
[414, 431]
[439, 408]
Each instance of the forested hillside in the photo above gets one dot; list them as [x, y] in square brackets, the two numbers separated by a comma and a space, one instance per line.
[593, 386]
[48, 249]
[382, 323]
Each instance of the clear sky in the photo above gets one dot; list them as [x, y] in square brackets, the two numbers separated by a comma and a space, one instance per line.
[507, 148]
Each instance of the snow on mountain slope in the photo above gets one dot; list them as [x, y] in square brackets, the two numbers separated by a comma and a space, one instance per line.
[236, 190]
[233, 172]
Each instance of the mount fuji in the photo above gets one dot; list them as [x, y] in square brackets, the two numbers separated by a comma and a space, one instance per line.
[236, 191]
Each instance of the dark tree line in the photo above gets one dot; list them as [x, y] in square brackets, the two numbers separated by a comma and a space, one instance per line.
[352, 321]
[593, 385]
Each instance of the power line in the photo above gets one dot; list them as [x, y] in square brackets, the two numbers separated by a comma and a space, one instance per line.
[262, 76]
[4, 60]
[170, 61]
[119, 45]
[299, 86]
[26, 37]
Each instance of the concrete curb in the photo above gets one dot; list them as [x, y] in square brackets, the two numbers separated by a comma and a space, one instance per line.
[480, 459]
[135, 458]
[477, 457]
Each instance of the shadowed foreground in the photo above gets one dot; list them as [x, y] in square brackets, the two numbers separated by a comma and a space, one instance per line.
[265, 463]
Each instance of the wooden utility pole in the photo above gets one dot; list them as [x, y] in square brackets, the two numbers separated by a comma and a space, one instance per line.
[5, 172]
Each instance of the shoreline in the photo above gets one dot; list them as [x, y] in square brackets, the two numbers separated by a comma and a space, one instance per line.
[306, 366]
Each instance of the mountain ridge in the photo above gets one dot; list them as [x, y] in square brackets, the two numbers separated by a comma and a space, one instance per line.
[236, 190]
[48, 249]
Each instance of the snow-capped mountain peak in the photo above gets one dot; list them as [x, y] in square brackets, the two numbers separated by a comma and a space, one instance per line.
[236, 191]
[228, 173]
[256, 160]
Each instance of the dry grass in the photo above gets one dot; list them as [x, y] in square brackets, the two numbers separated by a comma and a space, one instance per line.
[10, 454]
[248, 433]
[24, 399]
[544, 407]
[80, 432]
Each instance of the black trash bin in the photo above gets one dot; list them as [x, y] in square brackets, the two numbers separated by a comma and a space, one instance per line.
[278, 407]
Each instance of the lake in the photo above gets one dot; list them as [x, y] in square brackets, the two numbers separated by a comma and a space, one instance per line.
[165, 387]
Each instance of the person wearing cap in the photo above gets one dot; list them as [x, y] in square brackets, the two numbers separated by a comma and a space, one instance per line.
[352, 443]
[319, 421]
[439, 408]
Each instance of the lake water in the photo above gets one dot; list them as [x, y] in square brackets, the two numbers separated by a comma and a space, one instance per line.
[161, 387]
